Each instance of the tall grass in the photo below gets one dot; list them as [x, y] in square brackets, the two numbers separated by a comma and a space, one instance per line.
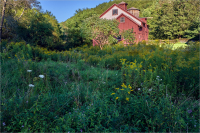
[143, 88]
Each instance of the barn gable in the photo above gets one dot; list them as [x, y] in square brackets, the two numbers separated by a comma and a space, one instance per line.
[108, 14]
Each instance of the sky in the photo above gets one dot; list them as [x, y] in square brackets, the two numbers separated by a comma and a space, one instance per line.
[64, 9]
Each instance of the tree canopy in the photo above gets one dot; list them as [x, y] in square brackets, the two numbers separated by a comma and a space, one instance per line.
[24, 20]
[102, 30]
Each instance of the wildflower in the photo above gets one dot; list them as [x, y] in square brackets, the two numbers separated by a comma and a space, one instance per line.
[122, 89]
[112, 93]
[157, 76]
[150, 89]
[194, 125]
[189, 111]
[22, 125]
[117, 98]
[41, 76]
[4, 124]
[131, 90]
[127, 99]
[138, 88]
[30, 85]
[117, 88]
[123, 85]
[29, 71]
[129, 87]
[26, 101]
[81, 130]
[128, 92]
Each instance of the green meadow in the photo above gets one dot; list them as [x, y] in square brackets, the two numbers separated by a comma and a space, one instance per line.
[138, 88]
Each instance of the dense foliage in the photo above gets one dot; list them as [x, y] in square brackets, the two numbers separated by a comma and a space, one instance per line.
[128, 36]
[173, 19]
[23, 22]
[102, 30]
[91, 90]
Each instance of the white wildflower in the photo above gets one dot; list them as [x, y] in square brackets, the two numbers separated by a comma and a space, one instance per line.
[31, 85]
[41, 76]
[29, 71]
[150, 89]
[138, 88]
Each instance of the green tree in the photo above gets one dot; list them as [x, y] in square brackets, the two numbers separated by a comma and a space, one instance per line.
[36, 30]
[72, 28]
[129, 36]
[173, 19]
[12, 13]
[102, 30]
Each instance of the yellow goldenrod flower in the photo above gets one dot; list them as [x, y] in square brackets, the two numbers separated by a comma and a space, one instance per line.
[129, 87]
[117, 98]
[122, 89]
[117, 88]
[112, 93]
[123, 85]
[128, 92]
[127, 99]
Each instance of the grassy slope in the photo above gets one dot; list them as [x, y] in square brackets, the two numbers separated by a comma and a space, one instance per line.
[77, 97]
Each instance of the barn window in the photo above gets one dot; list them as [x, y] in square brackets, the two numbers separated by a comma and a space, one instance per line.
[122, 19]
[114, 12]
[140, 28]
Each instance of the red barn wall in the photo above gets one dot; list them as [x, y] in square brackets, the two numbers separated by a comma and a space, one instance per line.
[141, 33]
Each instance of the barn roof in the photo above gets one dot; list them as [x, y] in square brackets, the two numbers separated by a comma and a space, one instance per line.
[122, 2]
[133, 8]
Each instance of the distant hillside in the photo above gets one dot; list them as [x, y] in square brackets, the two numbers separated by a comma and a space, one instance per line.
[171, 19]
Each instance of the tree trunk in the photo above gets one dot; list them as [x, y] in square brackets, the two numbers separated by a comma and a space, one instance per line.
[2, 19]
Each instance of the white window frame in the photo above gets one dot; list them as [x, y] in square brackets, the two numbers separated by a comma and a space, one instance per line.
[122, 18]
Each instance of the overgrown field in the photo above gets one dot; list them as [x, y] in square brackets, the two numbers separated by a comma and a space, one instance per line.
[140, 88]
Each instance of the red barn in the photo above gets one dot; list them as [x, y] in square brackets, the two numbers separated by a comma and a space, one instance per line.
[129, 19]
